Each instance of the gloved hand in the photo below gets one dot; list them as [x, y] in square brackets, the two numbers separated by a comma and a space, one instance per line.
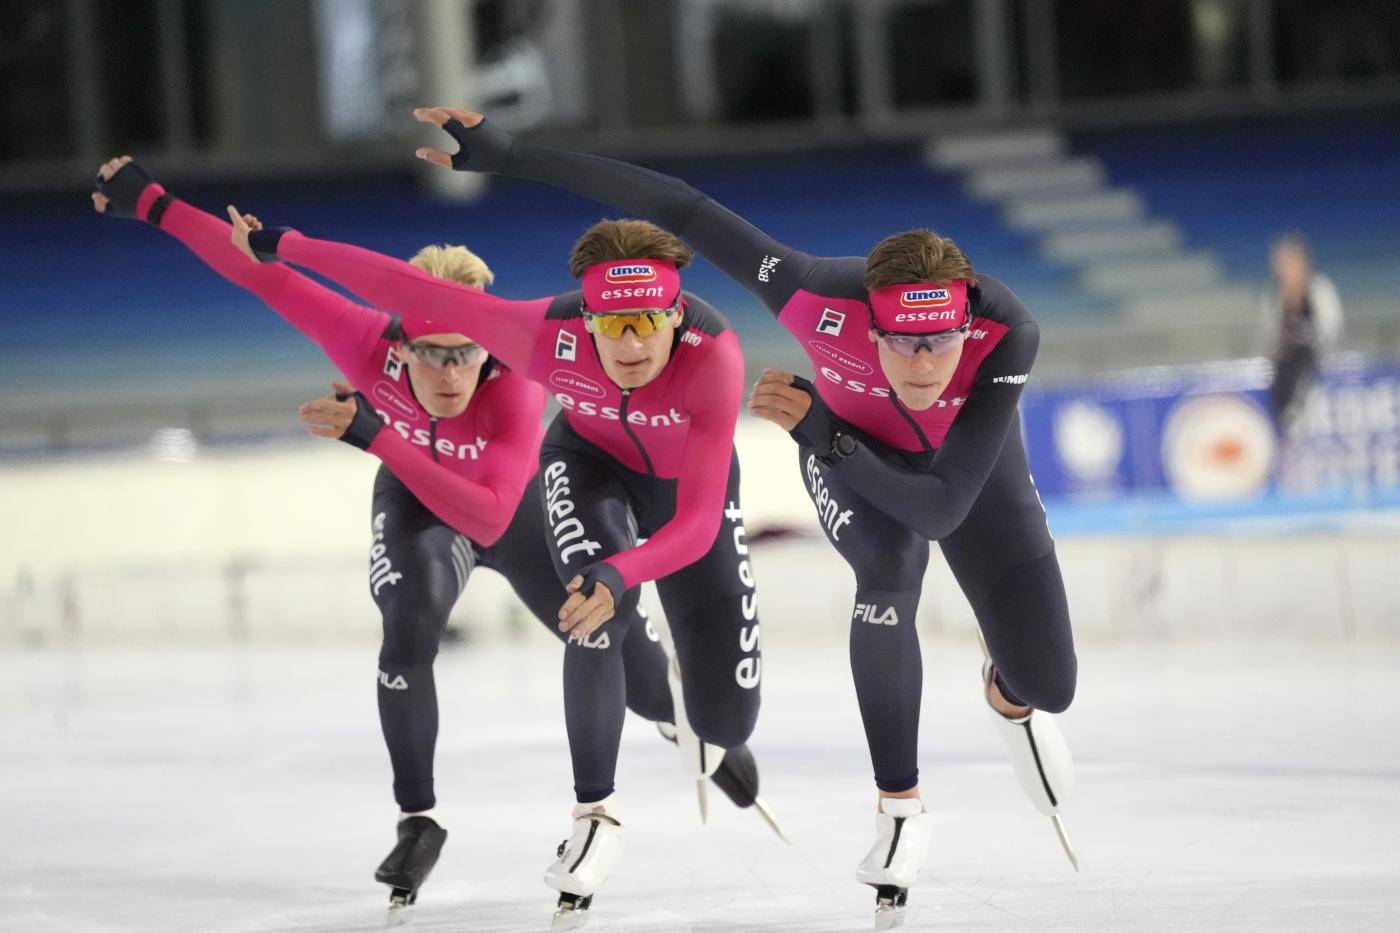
[482, 146]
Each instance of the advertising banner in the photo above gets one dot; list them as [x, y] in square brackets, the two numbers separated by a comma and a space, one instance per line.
[1206, 433]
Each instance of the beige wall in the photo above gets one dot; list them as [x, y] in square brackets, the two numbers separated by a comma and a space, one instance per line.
[269, 544]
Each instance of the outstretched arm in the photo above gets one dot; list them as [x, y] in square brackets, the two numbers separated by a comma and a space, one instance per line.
[339, 325]
[425, 304]
[746, 254]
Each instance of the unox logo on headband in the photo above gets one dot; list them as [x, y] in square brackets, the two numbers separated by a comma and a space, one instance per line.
[925, 298]
[618, 275]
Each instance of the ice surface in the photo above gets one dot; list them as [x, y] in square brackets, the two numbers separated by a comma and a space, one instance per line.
[1221, 787]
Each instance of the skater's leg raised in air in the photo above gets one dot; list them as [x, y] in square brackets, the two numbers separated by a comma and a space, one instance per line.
[1004, 560]
[712, 610]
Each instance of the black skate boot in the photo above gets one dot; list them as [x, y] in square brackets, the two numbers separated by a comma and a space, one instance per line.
[737, 776]
[414, 855]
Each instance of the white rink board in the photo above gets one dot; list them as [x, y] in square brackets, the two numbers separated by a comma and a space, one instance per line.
[1222, 786]
[267, 546]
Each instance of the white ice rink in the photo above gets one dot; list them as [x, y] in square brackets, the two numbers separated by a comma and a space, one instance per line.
[1221, 787]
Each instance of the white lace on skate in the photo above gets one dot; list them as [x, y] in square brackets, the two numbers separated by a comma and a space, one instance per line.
[902, 835]
[592, 850]
[1039, 753]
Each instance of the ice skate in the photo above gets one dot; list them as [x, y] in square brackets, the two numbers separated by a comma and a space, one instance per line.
[902, 831]
[1041, 758]
[737, 776]
[699, 758]
[585, 860]
[413, 857]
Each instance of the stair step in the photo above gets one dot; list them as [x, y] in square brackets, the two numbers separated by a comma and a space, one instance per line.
[1040, 177]
[966, 152]
[1042, 214]
[1073, 246]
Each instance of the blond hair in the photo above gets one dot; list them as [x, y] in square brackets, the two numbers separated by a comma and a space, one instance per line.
[454, 263]
[915, 256]
[609, 240]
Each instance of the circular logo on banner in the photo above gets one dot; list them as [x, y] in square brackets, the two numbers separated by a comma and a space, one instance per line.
[1089, 441]
[1217, 448]
[841, 357]
[571, 381]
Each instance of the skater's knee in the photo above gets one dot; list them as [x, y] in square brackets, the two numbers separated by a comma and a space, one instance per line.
[725, 727]
[890, 571]
[603, 645]
[1057, 697]
[411, 637]
[1050, 694]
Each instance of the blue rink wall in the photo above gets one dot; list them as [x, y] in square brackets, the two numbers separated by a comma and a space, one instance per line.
[76, 282]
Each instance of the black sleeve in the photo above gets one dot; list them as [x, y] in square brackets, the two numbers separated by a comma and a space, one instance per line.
[737, 248]
[935, 501]
[740, 250]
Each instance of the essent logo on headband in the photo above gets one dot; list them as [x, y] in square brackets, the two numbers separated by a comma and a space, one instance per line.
[624, 274]
[946, 315]
[925, 298]
[651, 291]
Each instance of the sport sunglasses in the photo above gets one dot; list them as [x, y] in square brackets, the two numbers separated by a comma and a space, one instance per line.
[438, 357]
[938, 343]
[615, 324]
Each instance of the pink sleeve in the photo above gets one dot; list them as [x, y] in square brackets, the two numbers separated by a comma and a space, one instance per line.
[344, 329]
[481, 509]
[425, 304]
[713, 396]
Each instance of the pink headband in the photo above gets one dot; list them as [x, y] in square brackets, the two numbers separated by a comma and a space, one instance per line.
[630, 285]
[920, 307]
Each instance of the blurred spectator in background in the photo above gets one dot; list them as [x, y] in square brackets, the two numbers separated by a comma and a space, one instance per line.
[1303, 314]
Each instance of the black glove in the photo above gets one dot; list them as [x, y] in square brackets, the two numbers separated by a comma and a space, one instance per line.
[365, 426]
[264, 243]
[123, 191]
[484, 148]
[602, 574]
[818, 430]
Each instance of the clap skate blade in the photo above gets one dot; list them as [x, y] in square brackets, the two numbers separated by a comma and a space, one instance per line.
[400, 902]
[889, 906]
[572, 912]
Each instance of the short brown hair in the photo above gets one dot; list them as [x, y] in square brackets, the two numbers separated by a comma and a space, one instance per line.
[609, 240]
[454, 263]
[915, 256]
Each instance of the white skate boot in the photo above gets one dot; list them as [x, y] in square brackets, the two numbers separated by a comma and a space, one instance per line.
[1040, 757]
[902, 831]
[586, 858]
